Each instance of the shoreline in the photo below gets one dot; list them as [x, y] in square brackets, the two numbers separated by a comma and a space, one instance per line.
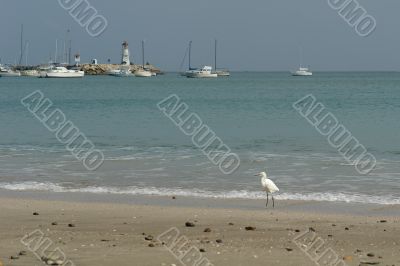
[104, 229]
[305, 206]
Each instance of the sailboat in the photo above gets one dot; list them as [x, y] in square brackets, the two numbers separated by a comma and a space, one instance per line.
[142, 72]
[204, 72]
[302, 71]
[6, 71]
[221, 72]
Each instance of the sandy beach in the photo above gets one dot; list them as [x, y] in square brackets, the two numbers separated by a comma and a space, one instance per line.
[168, 231]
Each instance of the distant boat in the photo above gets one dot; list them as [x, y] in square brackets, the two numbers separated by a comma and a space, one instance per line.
[62, 72]
[220, 72]
[143, 72]
[205, 72]
[302, 71]
[8, 72]
[30, 73]
[123, 71]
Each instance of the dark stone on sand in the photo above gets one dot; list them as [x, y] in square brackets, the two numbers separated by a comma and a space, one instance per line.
[297, 231]
[311, 229]
[330, 235]
[202, 250]
[207, 230]
[105, 240]
[151, 245]
[371, 254]
[250, 228]
[189, 224]
[14, 257]
[173, 197]
[346, 228]
[149, 238]
[218, 240]
[289, 249]
[231, 224]
[383, 221]
[71, 225]
[22, 253]
[54, 223]
[35, 213]
[364, 263]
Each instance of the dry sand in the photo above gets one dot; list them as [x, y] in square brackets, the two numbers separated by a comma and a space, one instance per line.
[115, 233]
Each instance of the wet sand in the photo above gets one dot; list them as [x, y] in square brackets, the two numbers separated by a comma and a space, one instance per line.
[107, 230]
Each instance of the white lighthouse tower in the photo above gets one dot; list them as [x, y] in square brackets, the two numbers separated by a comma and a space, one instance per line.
[125, 54]
[77, 59]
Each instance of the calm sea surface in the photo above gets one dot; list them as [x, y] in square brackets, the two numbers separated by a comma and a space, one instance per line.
[251, 112]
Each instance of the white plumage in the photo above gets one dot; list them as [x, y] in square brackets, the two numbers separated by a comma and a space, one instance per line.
[268, 186]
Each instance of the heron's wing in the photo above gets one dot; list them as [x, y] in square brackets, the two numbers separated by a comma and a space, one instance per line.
[269, 185]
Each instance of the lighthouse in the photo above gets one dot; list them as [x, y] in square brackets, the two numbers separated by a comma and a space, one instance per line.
[125, 54]
[77, 59]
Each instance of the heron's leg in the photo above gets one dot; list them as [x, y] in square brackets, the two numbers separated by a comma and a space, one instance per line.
[273, 202]
[267, 201]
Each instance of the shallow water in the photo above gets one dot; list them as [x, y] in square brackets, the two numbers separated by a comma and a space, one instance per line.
[251, 112]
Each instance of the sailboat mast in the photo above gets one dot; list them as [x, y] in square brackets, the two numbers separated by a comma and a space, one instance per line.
[143, 53]
[56, 52]
[215, 54]
[190, 54]
[26, 52]
[22, 44]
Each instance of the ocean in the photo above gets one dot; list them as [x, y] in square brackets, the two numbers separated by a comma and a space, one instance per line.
[252, 113]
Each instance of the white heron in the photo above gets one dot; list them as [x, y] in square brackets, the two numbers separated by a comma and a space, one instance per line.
[268, 186]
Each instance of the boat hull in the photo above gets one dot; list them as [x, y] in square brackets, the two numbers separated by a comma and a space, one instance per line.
[10, 74]
[143, 74]
[77, 74]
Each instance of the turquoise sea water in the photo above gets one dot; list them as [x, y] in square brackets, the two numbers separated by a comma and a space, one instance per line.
[251, 112]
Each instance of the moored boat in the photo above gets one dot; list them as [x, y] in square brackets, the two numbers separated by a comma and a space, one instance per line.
[62, 72]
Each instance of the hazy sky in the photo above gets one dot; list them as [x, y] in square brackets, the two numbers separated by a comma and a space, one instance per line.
[252, 34]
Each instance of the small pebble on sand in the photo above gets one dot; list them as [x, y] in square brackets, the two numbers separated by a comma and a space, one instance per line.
[71, 225]
[250, 228]
[218, 240]
[207, 230]
[35, 213]
[189, 224]
[289, 249]
[149, 238]
[202, 250]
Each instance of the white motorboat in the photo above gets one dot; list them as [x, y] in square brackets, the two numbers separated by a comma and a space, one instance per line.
[8, 72]
[204, 72]
[62, 72]
[302, 71]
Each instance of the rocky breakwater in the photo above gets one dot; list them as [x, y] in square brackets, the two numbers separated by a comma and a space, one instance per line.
[103, 69]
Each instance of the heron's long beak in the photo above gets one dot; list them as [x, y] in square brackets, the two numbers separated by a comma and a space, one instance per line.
[257, 175]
